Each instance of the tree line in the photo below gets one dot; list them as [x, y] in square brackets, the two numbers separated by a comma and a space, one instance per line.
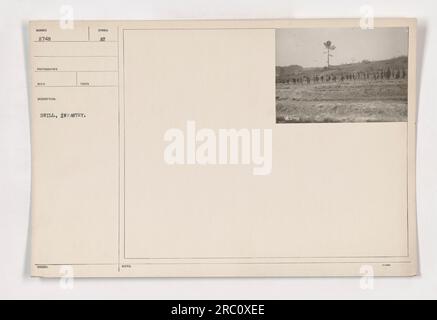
[387, 74]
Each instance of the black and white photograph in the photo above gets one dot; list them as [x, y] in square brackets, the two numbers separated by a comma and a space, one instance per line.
[341, 75]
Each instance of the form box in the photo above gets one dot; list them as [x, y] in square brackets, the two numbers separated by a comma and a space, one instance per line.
[75, 63]
[97, 78]
[54, 79]
[75, 49]
[73, 79]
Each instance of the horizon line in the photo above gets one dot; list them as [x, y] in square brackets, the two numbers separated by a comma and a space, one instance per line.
[349, 63]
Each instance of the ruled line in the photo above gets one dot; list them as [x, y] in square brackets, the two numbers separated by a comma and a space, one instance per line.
[75, 56]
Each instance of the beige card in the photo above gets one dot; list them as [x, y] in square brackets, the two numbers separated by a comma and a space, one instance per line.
[223, 148]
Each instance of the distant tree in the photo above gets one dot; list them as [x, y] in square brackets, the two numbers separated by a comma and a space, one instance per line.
[329, 47]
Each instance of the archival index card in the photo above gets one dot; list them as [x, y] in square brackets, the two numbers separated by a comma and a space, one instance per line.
[223, 148]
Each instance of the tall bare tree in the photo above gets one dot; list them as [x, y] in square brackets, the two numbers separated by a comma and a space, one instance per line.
[329, 47]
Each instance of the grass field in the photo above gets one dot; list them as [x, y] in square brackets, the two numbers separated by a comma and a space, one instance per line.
[348, 101]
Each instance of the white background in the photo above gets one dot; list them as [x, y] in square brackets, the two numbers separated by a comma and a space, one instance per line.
[15, 152]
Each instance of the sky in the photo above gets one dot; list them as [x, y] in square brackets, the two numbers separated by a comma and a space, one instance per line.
[304, 47]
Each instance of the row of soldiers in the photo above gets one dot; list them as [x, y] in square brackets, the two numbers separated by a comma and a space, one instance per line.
[387, 74]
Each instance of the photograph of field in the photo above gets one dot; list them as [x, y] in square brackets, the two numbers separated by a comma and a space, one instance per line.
[360, 76]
